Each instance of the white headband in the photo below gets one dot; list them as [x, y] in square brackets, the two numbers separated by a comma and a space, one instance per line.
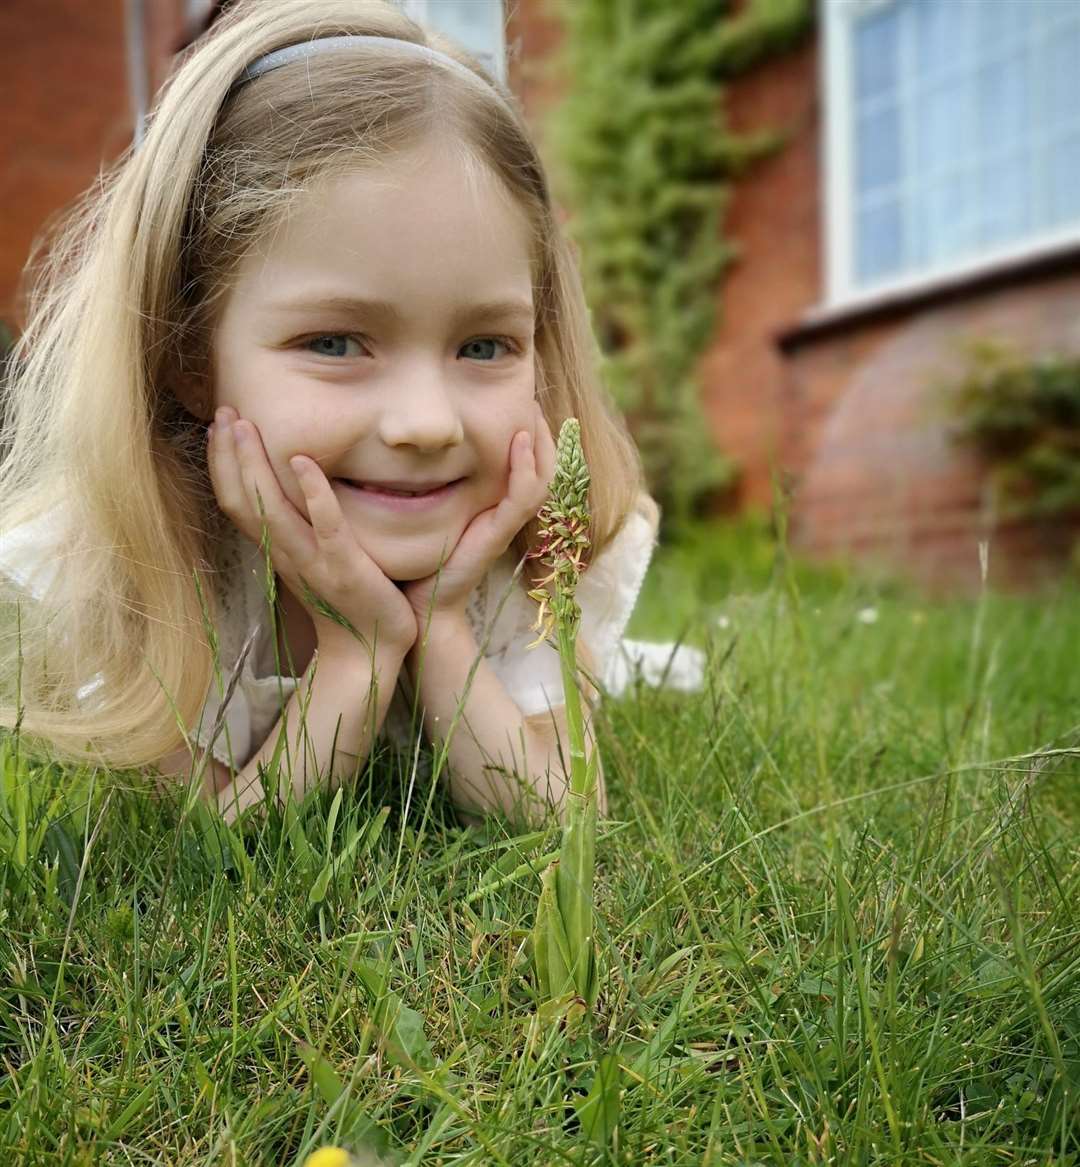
[329, 44]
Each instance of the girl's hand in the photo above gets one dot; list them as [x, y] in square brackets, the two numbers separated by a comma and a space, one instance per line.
[532, 466]
[324, 552]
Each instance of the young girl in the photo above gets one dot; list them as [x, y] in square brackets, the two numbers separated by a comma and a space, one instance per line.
[325, 300]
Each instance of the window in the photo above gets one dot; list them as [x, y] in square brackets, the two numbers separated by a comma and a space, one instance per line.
[953, 135]
[476, 25]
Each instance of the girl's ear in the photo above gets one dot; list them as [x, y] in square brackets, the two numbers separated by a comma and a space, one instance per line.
[194, 395]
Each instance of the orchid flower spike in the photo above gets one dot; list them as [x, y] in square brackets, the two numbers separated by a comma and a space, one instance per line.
[564, 535]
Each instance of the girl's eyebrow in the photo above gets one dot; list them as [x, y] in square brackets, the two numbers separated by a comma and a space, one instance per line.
[503, 309]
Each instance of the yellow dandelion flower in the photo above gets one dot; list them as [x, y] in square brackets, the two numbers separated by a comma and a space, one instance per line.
[329, 1157]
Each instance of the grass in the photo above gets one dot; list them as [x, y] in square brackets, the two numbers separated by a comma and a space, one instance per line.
[836, 899]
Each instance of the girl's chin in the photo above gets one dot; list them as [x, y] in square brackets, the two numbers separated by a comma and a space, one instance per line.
[404, 567]
[411, 557]
[403, 576]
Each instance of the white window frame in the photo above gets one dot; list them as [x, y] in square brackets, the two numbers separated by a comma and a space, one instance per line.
[837, 183]
[196, 11]
[418, 10]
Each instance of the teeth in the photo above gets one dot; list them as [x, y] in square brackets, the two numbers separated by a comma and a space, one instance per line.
[399, 493]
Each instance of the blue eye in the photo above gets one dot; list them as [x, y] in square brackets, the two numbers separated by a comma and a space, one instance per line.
[487, 340]
[328, 346]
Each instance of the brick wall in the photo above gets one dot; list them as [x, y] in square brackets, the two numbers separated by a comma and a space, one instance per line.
[773, 218]
[65, 100]
[67, 111]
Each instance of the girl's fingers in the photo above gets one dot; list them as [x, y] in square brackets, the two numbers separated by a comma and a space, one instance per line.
[223, 460]
[524, 488]
[288, 531]
[524, 494]
[225, 470]
[295, 540]
[324, 510]
[333, 535]
[320, 561]
[491, 531]
[544, 446]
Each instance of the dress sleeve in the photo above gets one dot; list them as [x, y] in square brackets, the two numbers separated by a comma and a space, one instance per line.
[246, 695]
[30, 554]
[607, 594]
[30, 557]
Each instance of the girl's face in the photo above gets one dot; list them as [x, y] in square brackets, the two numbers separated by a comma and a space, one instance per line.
[386, 331]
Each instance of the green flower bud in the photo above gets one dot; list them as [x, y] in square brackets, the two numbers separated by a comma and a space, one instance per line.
[570, 486]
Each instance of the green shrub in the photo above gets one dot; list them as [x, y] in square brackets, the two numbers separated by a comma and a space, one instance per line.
[1022, 417]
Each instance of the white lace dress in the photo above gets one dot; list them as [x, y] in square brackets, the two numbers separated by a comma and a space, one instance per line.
[500, 612]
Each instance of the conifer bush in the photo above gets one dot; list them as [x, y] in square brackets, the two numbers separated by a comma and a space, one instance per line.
[641, 149]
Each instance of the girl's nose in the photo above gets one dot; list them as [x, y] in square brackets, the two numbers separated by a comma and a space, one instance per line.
[421, 413]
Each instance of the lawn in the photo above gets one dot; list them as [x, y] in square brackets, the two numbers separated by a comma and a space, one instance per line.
[837, 900]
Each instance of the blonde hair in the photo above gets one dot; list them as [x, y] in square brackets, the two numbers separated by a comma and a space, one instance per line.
[123, 307]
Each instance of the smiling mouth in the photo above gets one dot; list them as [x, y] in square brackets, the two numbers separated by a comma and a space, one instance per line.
[397, 501]
[395, 492]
